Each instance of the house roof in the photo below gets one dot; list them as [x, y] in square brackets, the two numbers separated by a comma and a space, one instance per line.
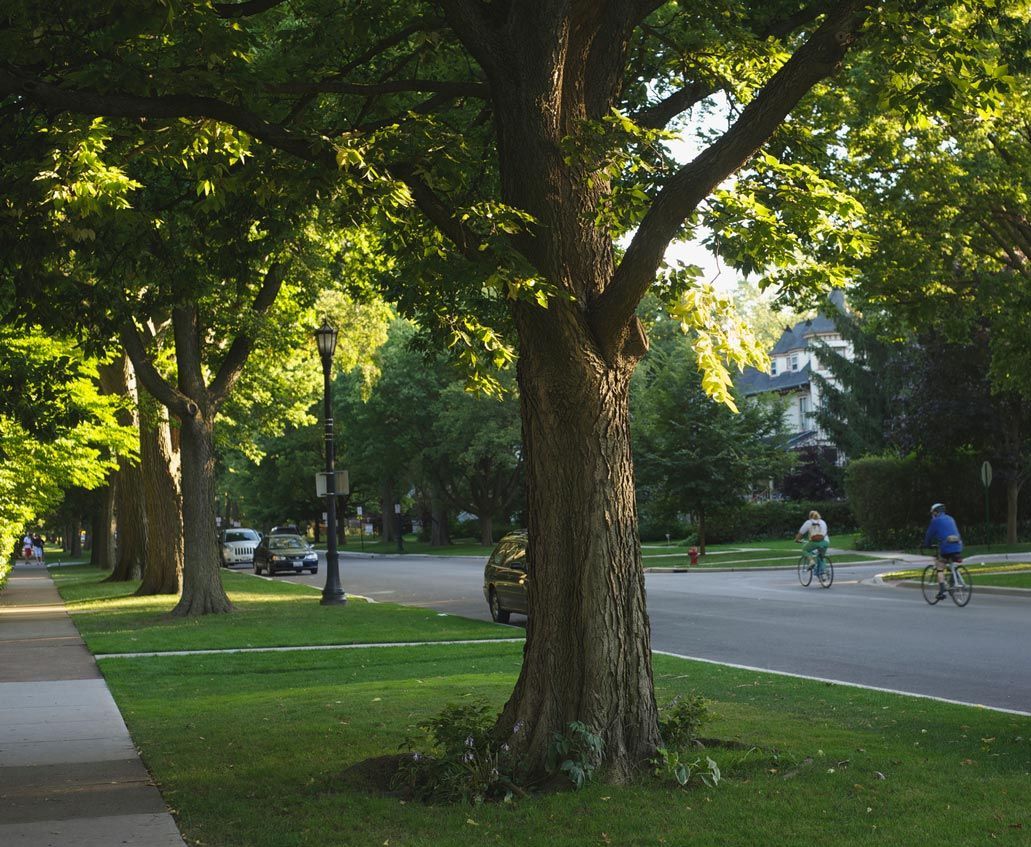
[753, 381]
[796, 337]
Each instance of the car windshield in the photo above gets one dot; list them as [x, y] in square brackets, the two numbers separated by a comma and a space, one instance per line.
[286, 542]
[242, 535]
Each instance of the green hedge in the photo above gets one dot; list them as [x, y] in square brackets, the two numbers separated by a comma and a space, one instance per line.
[891, 497]
[775, 519]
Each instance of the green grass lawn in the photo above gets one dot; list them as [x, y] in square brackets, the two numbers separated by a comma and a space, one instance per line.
[1008, 580]
[997, 573]
[460, 547]
[777, 553]
[253, 749]
[268, 614]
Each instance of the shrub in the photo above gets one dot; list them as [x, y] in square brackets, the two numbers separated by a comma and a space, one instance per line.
[680, 721]
[775, 519]
[577, 753]
[465, 765]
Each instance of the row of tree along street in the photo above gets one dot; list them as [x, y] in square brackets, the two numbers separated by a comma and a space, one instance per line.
[181, 184]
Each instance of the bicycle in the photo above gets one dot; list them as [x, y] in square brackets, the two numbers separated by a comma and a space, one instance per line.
[806, 565]
[958, 584]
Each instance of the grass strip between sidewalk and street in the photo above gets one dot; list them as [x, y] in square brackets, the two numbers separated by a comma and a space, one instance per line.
[1011, 574]
[268, 613]
[253, 750]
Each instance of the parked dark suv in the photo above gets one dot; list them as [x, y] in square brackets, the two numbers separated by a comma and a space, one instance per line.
[504, 578]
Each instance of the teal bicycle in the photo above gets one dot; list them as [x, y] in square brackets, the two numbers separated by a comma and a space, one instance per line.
[809, 563]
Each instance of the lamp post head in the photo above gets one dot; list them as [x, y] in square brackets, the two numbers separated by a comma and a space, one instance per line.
[326, 339]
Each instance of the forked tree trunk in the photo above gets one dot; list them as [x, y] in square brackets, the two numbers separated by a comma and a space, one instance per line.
[203, 593]
[159, 461]
[588, 645]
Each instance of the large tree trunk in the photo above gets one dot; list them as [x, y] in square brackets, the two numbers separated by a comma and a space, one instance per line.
[102, 540]
[202, 578]
[163, 573]
[588, 643]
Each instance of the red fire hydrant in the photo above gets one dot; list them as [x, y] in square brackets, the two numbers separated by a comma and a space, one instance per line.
[693, 553]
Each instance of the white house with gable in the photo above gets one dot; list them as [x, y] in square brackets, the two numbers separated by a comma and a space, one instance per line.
[794, 359]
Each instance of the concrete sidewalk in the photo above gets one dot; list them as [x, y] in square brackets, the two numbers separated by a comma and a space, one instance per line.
[69, 773]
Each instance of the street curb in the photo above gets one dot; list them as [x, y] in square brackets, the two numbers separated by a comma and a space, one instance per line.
[757, 569]
[978, 589]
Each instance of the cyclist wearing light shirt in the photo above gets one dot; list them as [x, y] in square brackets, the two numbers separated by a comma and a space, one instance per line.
[816, 529]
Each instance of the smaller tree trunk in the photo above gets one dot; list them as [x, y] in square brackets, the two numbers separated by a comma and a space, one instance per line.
[701, 532]
[387, 508]
[102, 529]
[159, 461]
[1012, 503]
[130, 518]
[202, 577]
[440, 527]
[486, 530]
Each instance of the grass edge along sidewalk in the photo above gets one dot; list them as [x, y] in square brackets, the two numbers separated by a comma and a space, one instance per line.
[254, 749]
[1016, 575]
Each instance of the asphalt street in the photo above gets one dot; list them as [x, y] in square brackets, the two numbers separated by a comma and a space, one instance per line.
[856, 631]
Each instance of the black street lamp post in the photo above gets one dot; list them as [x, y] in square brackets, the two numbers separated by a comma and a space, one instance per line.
[333, 593]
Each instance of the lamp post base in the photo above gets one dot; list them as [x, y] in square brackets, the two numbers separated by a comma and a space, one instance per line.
[333, 599]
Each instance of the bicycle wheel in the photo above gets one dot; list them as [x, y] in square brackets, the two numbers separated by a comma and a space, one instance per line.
[929, 584]
[961, 589]
[826, 576]
[805, 570]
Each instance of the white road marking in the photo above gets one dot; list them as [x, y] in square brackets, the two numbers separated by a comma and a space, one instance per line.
[843, 682]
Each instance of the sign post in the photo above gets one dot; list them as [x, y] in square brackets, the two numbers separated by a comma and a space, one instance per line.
[986, 480]
[361, 529]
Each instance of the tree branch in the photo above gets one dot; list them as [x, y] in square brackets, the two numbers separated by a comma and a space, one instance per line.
[239, 351]
[245, 9]
[660, 114]
[426, 24]
[86, 102]
[469, 22]
[334, 86]
[815, 60]
[159, 388]
[439, 215]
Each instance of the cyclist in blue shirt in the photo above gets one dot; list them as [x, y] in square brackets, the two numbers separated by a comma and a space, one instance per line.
[942, 531]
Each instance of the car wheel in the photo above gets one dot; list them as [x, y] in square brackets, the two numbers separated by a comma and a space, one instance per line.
[496, 612]
[314, 571]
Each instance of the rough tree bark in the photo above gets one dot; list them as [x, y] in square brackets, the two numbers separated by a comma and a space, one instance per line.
[130, 516]
[159, 461]
[588, 643]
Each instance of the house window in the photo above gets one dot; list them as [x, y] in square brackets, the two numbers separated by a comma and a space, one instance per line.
[773, 367]
[793, 361]
[805, 410]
